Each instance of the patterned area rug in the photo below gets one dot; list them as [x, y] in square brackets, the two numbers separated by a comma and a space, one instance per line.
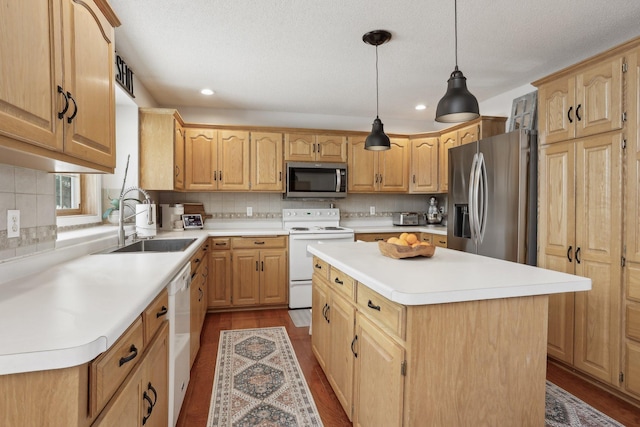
[258, 382]
[565, 410]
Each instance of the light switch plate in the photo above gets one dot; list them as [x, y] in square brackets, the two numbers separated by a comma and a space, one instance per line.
[13, 223]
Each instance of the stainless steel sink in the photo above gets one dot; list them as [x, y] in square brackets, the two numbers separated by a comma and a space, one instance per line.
[160, 245]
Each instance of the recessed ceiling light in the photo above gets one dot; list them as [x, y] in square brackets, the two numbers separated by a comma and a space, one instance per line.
[421, 107]
[207, 92]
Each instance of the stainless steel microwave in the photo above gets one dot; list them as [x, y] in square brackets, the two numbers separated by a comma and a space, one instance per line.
[316, 180]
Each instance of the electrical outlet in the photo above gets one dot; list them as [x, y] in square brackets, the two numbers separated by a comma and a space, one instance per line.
[372, 210]
[249, 211]
[13, 223]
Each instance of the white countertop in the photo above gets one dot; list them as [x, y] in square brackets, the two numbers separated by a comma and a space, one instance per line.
[58, 312]
[433, 229]
[448, 276]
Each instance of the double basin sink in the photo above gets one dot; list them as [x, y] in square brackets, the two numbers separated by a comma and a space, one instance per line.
[160, 245]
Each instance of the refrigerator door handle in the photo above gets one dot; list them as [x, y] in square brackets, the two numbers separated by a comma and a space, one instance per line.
[482, 212]
[475, 211]
[472, 174]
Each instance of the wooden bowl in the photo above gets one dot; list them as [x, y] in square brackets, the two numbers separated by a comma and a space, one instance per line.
[399, 252]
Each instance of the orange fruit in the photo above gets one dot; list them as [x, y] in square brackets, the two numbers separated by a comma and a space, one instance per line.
[403, 236]
[411, 238]
[402, 242]
[393, 240]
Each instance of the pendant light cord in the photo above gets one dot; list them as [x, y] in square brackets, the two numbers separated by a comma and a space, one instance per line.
[455, 16]
[377, 81]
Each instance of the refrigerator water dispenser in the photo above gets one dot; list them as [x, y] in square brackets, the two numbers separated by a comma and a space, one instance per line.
[461, 221]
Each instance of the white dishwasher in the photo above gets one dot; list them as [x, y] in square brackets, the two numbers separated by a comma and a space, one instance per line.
[179, 337]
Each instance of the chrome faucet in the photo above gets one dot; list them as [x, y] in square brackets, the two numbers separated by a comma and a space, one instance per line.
[122, 218]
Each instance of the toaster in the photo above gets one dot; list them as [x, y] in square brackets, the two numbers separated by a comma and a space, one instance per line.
[405, 218]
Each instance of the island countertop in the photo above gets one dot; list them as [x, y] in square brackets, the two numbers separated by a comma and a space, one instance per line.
[448, 276]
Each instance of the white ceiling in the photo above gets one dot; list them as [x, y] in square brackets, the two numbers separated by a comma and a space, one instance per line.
[307, 56]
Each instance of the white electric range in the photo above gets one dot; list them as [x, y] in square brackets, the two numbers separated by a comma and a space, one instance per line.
[309, 226]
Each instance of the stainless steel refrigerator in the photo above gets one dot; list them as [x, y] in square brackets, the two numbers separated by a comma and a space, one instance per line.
[492, 201]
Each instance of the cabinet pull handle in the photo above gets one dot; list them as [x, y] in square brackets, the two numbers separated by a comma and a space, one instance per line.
[220, 174]
[578, 255]
[569, 114]
[149, 409]
[578, 112]
[155, 394]
[75, 106]
[376, 180]
[259, 243]
[324, 311]
[221, 244]
[569, 253]
[353, 343]
[215, 175]
[261, 265]
[66, 102]
[380, 178]
[318, 266]
[442, 242]
[162, 312]
[377, 239]
[327, 316]
[256, 265]
[200, 294]
[177, 171]
[134, 352]
[414, 178]
[371, 305]
[280, 174]
[338, 281]
[314, 148]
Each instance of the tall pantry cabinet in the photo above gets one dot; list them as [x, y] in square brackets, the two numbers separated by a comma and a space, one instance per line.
[588, 214]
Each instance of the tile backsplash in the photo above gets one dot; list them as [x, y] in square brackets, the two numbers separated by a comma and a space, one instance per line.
[31, 192]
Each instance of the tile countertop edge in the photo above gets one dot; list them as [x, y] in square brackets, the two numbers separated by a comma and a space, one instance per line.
[107, 333]
[562, 282]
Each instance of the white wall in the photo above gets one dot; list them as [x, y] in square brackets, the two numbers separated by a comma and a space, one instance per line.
[501, 105]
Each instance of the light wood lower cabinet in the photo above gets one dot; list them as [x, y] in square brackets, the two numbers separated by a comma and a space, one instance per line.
[379, 381]
[248, 272]
[429, 364]
[198, 297]
[143, 398]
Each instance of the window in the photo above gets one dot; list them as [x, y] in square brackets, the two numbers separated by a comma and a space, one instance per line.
[75, 194]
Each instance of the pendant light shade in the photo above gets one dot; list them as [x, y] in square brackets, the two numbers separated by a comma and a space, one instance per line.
[377, 139]
[457, 104]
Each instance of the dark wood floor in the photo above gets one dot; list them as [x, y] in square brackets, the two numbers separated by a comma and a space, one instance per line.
[195, 409]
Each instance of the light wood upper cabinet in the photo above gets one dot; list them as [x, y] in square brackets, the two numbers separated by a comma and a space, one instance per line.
[447, 140]
[424, 165]
[469, 134]
[216, 160]
[315, 148]
[162, 139]
[378, 171]
[583, 103]
[57, 90]
[266, 162]
[201, 159]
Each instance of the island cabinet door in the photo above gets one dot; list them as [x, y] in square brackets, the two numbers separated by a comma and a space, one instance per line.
[319, 322]
[379, 383]
[342, 326]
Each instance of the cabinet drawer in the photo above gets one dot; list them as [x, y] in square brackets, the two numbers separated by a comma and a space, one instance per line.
[342, 282]
[388, 314]
[154, 315]
[439, 240]
[259, 242]
[109, 369]
[374, 237]
[217, 244]
[320, 268]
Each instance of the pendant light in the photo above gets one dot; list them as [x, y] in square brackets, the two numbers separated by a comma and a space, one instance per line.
[457, 104]
[377, 139]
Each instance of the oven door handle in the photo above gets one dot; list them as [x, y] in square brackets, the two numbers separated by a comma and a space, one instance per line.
[320, 236]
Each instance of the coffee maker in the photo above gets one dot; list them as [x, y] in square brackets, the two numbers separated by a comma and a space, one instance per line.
[172, 217]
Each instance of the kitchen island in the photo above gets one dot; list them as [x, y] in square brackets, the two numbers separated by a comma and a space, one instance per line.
[456, 339]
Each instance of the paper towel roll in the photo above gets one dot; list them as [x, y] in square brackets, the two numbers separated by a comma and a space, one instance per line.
[146, 220]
